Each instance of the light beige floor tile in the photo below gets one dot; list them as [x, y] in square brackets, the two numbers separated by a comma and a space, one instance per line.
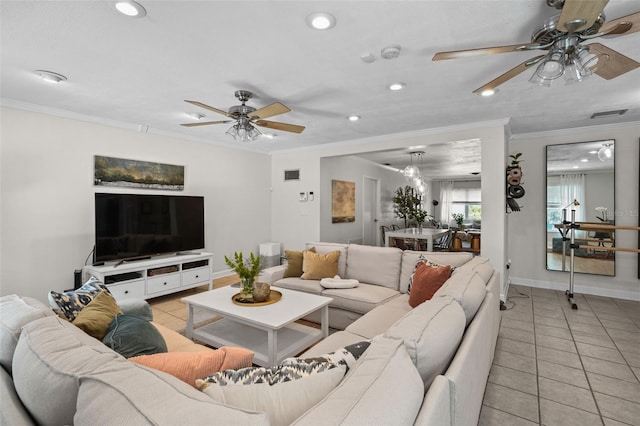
[618, 409]
[550, 321]
[561, 373]
[518, 315]
[545, 330]
[628, 347]
[550, 313]
[611, 422]
[624, 336]
[619, 325]
[608, 368]
[581, 319]
[614, 387]
[555, 414]
[517, 324]
[592, 339]
[512, 401]
[556, 356]
[600, 352]
[567, 394]
[619, 317]
[492, 417]
[556, 343]
[515, 346]
[519, 335]
[517, 362]
[514, 379]
[596, 330]
[632, 358]
[583, 311]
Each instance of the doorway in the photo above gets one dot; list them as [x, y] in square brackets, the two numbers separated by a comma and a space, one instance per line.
[370, 203]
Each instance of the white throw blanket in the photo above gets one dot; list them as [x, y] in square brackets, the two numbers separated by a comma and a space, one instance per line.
[337, 282]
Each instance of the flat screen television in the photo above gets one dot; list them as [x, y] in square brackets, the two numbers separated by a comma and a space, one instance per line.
[130, 226]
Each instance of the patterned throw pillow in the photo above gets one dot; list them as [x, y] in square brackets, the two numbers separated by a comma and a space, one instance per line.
[348, 356]
[423, 259]
[268, 375]
[70, 303]
[96, 317]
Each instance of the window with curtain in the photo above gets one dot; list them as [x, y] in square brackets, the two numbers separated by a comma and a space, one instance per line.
[561, 191]
[446, 191]
[468, 202]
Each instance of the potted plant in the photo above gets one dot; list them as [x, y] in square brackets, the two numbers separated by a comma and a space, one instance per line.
[247, 270]
[458, 217]
[419, 216]
[405, 201]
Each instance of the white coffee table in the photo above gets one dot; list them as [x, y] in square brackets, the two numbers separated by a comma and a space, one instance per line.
[269, 331]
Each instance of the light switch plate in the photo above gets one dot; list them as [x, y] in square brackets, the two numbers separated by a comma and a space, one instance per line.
[302, 196]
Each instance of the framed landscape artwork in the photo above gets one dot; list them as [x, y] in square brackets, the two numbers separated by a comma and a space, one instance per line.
[120, 172]
[343, 201]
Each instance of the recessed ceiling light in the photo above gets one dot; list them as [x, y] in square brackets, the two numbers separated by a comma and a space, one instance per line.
[50, 76]
[397, 86]
[575, 167]
[131, 8]
[489, 92]
[593, 152]
[584, 160]
[353, 118]
[321, 21]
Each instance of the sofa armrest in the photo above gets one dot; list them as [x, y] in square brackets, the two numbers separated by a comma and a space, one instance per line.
[436, 407]
[272, 274]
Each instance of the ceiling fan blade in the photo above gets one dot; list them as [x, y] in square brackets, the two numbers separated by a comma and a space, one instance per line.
[617, 64]
[633, 19]
[269, 111]
[206, 123]
[210, 108]
[578, 15]
[280, 126]
[483, 51]
[509, 74]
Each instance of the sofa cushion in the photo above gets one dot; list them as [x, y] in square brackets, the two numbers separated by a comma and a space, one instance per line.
[131, 336]
[308, 286]
[425, 281]
[16, 312]
[316, 266]
[331, 343]
[176, 342]
[374, 265]
[124, 393]
[479, 264]
[325, 248]
[359, 299]
[431, 332]
[95, 318]
[384, 388]
[70, 303]
[347, 355]
[379, 319]
[50, 357]
[409, 259]
[12, 412]
[189, 366]
[468, 289]
[294, 262]
[283, 392]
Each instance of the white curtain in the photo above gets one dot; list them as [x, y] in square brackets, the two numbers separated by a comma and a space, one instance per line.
[446, 195]
[572, 188]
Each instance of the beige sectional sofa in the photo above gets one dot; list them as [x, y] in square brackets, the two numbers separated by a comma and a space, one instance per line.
[427, 365]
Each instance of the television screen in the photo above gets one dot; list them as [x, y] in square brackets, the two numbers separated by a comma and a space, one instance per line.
[134, 225]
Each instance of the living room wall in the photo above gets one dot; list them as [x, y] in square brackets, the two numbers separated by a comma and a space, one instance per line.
[354, 169]
[47, 217]
[526, 236]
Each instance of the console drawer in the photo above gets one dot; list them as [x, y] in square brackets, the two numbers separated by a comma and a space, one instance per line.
[196, 276]
[130, 290]
[162, 283]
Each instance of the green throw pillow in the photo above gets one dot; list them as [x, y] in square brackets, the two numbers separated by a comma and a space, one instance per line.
[130, 336]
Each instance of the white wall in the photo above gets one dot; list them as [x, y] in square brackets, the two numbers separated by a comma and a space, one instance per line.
[47, 217]
[526, 236]
[354, 169]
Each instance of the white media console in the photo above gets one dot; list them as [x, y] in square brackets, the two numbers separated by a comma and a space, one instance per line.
[145, 279]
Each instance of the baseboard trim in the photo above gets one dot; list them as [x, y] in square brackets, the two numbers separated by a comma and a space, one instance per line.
[577, 289]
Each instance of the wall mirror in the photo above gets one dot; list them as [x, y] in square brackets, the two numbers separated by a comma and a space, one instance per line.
[585, 172]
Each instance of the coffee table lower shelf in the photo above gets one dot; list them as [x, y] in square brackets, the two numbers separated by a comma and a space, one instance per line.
[285, 342]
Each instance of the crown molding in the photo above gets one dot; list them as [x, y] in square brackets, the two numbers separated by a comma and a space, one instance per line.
[573, 130]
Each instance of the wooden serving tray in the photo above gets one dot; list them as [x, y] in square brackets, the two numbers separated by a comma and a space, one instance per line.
[274, 296]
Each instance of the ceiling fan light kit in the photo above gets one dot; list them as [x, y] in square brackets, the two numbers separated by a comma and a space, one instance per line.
[606, 152]
[562, 35]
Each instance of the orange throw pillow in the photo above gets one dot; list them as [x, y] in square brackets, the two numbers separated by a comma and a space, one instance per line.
[426, 281]
[189, 366]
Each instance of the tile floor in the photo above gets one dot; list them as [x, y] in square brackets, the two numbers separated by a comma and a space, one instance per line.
[558, 366]
[553, 365]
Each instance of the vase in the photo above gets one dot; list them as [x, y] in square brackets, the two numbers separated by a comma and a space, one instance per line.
[247, 287]
[261, 292]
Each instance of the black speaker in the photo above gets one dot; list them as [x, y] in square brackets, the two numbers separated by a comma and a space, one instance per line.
[77, 279]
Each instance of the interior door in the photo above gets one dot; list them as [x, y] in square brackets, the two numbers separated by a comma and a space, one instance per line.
[370, 203]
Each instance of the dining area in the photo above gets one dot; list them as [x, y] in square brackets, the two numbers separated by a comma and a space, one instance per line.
[432, 239]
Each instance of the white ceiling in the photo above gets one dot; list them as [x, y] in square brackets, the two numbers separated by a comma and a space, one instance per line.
[138, 72]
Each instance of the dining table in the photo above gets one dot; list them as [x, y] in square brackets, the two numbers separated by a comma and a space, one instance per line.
[428, 234]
